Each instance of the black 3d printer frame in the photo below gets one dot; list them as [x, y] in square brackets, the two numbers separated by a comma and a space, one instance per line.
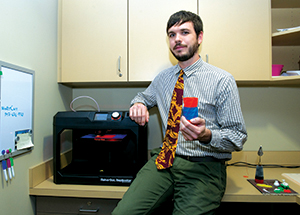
[89, 121]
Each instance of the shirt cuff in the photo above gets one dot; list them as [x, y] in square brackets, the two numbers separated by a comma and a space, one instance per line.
[215, 139]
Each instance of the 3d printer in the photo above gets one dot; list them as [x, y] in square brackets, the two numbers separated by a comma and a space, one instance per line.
[108, 148]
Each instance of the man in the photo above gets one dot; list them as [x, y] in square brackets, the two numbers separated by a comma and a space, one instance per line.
[196, 179]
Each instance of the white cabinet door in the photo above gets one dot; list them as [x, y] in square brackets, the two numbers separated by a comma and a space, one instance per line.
[237, 37]
[148, 43]
[93, 41]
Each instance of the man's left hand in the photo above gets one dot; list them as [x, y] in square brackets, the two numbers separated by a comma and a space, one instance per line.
[195, 129]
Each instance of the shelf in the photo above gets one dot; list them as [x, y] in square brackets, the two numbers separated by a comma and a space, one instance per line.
[283, 78]
[286, 38]
[286, 80]
[285, 4]
[275, 81]
[290, 81]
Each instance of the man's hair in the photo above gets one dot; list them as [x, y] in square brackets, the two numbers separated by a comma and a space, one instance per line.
[182, 16]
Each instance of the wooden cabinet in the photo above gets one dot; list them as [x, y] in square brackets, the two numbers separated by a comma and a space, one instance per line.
[67, 205]
[237, 37]
[95, 34]
[286, 44]
[110, 41]
[93, 41]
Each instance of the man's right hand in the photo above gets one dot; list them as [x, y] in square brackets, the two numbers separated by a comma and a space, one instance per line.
[139, 113]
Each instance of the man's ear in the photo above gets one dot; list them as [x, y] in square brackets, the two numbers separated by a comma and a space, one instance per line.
[200, 38]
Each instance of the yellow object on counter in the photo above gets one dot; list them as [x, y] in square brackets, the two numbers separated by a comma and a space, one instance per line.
[264, 185]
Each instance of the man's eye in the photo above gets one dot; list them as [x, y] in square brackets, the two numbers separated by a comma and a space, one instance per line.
[171, 35]
[185, 32]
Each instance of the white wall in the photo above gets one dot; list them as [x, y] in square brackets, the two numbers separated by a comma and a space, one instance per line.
[271, 114]
[272, 118]
[28, 38]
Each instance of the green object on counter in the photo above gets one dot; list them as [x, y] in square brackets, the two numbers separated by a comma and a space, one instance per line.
[277, 190]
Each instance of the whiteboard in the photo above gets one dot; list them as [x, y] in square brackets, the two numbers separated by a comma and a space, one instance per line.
[16, 113]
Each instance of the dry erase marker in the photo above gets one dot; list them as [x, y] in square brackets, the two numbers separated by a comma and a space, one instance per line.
[4, 167]
[8, 165]
[8, 168]
[11, 163]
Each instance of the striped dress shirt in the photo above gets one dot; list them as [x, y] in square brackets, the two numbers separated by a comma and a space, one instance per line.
[218, 104]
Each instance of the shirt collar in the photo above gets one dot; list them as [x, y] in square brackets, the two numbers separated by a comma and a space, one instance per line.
[190, 69]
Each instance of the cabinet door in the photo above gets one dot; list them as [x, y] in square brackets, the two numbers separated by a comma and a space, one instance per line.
[93, 41]
[68, 205]
[148, 43]
[237, 37]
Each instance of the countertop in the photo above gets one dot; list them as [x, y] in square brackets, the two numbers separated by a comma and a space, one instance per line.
[238, 188]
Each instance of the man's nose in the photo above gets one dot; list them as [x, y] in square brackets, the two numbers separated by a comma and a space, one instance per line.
[177, 38]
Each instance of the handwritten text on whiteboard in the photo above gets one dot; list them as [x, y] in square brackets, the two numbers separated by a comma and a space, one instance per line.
[11, 111]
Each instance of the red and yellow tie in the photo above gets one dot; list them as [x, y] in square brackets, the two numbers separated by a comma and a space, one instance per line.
[167, 154]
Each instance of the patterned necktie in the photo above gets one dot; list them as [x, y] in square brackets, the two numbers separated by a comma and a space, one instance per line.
[167, 154]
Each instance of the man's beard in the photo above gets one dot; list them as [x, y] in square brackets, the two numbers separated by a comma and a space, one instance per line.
[191, 52]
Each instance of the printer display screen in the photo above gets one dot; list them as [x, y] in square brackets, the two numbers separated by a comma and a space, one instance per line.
[101, 116]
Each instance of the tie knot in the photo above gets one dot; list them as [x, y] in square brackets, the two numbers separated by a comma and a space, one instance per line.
[181, 72]
[180, 78]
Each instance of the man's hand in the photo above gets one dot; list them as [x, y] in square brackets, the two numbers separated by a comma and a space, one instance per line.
[195, 129]
[139, 113]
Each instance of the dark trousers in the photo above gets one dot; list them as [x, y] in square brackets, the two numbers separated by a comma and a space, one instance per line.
[193, 187]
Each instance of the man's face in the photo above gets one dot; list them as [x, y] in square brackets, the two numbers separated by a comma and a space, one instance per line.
[183, 41]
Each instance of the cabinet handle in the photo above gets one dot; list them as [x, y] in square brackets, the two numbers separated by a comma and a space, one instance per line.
[89, 210]
[119, 66]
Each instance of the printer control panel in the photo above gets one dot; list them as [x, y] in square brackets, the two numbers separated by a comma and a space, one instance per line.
[114, 116]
